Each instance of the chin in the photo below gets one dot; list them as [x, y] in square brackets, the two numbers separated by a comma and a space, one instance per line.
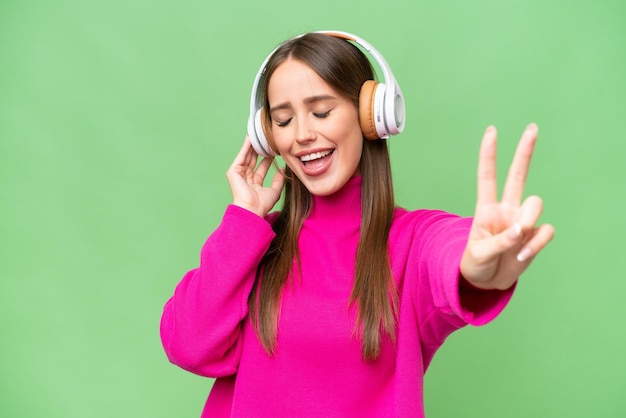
[319, 187]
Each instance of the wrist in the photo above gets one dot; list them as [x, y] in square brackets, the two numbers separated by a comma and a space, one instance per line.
[251, 208]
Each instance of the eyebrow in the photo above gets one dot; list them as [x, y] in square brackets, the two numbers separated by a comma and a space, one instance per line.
[308, 100]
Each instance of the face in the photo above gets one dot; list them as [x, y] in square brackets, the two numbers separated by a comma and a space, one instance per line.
[315, 129]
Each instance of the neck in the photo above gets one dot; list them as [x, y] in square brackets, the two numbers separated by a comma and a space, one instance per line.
[342, 205]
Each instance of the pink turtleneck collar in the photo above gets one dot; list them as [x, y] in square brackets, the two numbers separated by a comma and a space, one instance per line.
[342, 206]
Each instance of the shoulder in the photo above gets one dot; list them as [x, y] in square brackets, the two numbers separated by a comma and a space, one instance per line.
[427, 228]
[425, 219]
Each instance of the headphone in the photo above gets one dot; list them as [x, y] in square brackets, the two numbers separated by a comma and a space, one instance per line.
[381, 105]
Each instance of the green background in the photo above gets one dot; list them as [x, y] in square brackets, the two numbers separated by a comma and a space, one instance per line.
[119, 118]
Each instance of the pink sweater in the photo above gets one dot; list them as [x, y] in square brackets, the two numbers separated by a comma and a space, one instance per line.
[317, 370]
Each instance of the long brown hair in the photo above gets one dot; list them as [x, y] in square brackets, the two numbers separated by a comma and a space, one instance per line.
[345, 68]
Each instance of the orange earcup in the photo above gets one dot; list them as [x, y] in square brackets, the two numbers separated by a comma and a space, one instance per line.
[366, 109]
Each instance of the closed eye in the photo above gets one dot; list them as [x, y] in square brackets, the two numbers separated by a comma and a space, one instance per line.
[283, 123]
[322, 115]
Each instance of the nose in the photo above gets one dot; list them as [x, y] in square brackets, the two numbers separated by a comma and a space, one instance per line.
[304, 131]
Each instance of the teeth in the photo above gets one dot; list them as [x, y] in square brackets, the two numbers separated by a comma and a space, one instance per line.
[315, 155]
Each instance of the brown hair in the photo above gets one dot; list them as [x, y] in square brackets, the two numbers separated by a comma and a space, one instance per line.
[345, 68]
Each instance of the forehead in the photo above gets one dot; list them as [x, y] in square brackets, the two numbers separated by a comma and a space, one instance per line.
[293, 78]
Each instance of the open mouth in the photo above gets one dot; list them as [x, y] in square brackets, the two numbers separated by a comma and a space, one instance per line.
[315, 157]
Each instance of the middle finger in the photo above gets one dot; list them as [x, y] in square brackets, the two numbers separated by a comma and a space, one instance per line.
[516, 179]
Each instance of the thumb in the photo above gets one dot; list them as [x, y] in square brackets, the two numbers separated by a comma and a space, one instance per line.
[485, 249]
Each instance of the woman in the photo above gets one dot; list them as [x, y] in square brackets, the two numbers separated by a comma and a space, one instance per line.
[335, 305]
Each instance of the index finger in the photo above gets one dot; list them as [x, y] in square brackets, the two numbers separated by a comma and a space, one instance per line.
[487, 183]
[246, 155]
[516, 179]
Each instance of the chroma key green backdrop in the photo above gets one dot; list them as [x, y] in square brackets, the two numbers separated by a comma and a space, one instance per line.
[118, 120]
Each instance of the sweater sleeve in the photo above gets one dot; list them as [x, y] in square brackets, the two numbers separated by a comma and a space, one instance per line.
[472, 306]
[201, 323]
[442, 304]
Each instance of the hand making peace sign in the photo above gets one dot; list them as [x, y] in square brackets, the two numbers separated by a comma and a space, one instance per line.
[504, 237]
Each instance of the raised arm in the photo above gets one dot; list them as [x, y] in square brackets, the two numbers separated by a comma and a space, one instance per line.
[504, 237]
[201, 323]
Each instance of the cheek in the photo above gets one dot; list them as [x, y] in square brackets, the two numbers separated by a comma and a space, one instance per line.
[356, 141]
[356, 151]
[282, 145]
[279, 140]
